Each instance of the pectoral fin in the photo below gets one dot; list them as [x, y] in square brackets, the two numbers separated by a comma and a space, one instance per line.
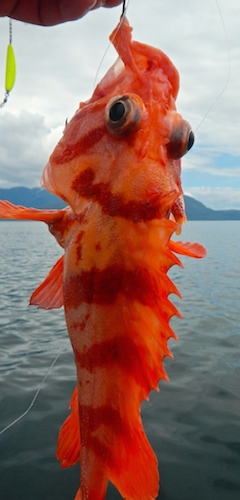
[189, 249]
[10, 211]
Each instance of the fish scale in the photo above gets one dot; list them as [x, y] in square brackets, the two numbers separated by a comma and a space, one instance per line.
[118, 168]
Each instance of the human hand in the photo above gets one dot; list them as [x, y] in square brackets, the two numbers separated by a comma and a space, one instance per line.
[50, 12]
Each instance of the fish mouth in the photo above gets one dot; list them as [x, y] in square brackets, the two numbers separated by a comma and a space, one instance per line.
[177, 213]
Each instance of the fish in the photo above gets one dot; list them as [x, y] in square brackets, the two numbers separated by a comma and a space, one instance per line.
[118, 168]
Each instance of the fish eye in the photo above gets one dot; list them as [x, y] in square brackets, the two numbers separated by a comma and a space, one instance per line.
[191, 140]
[117, 111]
[123, 114]
[181, 140]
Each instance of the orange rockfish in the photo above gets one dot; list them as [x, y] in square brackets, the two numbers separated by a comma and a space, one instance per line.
[118, 168]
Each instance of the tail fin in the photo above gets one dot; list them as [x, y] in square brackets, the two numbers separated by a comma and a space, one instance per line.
[124, 457]
[131, 464]
[133, 468]
[96, 495]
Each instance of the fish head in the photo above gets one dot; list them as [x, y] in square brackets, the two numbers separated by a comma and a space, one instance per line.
[123, 146]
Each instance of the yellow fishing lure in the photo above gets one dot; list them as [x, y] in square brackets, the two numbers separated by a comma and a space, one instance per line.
[10, 75]
[10, 68]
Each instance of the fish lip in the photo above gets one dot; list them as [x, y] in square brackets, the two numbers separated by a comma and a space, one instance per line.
[177, 212]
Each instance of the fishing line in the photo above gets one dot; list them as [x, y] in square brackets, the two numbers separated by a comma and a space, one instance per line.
[37, 392]
[229, 68]
[125, 6]
[124, 9]
[10, 74]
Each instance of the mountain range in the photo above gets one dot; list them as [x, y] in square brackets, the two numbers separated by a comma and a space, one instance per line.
[40, 198]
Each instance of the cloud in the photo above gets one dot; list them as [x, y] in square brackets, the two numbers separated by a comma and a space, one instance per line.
[212, 162]
[24, 148]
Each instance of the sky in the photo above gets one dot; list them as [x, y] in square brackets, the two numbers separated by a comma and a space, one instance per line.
[57, 67]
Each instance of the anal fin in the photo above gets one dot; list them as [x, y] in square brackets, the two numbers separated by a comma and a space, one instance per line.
[78, 495]
[68, 447]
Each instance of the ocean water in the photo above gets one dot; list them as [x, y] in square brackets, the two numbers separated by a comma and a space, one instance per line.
[193, 424]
